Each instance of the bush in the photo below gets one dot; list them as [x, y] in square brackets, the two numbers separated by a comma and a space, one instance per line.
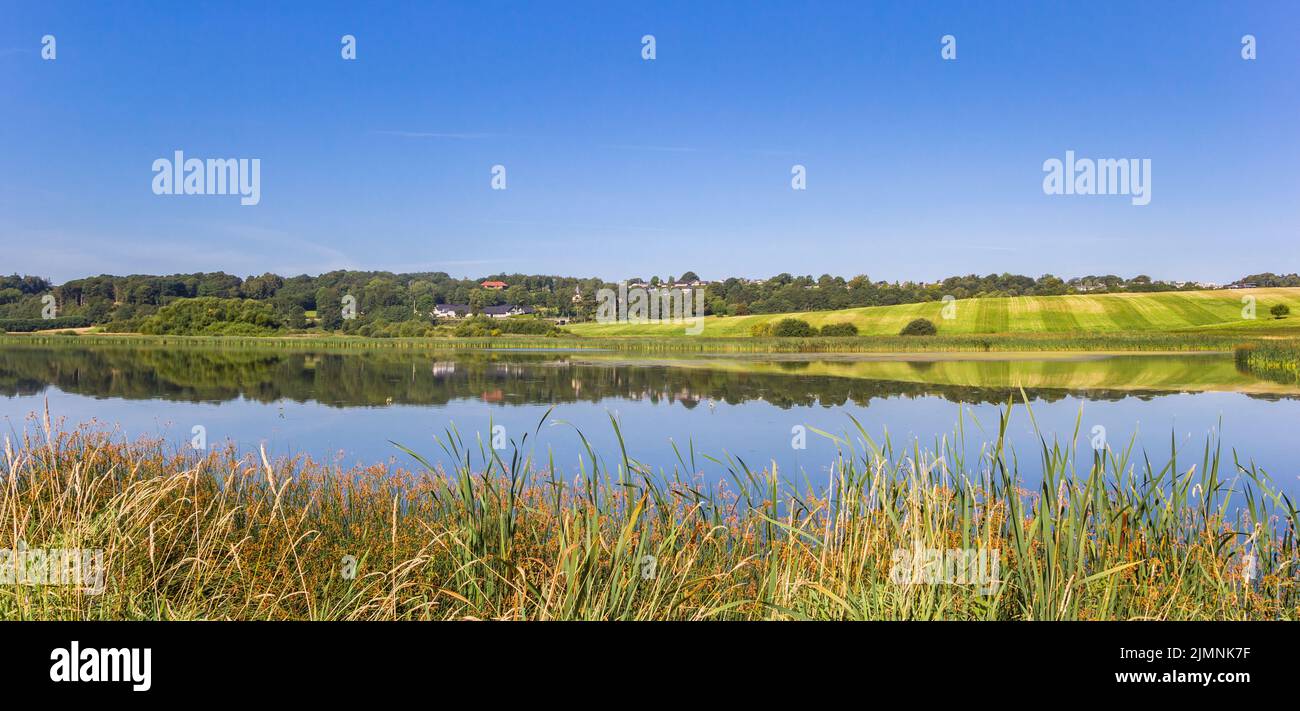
[1280, 311]
[213, 316]
[919, 327]
[130, 325]
[761, 330]
[839, 329]
[525, 325]
[411, 328]
[479, 326]
[792, 328]
[27, 325]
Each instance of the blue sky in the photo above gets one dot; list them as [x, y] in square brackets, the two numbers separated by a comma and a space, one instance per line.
[917, 168]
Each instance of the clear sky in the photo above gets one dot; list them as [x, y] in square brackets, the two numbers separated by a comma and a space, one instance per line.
[917, 167]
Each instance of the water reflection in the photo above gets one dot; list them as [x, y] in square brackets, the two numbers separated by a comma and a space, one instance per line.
[378, 378]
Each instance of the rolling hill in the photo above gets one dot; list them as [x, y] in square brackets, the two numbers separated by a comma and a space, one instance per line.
[1080, 313]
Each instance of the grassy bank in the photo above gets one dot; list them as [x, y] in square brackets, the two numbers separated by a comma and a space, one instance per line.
[497, 535]
[1222, 341]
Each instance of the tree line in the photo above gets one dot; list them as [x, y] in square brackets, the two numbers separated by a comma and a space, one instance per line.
[386, 303]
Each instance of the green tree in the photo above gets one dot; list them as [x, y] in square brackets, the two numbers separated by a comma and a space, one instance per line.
[213, 316]
[919, 327]
[329, 309]
[839, 329]
[792, 328]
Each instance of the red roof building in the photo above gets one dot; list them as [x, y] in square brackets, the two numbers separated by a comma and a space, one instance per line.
[497, 285]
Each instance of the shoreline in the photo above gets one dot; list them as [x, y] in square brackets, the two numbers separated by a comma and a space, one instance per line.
[923, 348]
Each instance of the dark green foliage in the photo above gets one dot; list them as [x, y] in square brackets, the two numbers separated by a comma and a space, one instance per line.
[212, 316]
[481, 326]
[27, 325]
[792, 328]
[397, 329]
[839, 329]
[919, 327]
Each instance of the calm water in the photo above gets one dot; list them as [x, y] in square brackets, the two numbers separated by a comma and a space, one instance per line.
[347, 406]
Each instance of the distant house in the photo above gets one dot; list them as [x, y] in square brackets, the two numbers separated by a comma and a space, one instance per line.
[464, 310]
[493, 285]
[506, 310]
[451, 310]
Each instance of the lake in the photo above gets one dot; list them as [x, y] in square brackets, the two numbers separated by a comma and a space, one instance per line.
[347, 406]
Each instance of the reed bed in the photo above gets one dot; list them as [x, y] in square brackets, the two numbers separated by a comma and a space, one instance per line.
[485, 534]
[1278, 361]
[1198, 341]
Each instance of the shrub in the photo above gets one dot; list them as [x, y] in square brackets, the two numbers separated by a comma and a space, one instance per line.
[761, 330]
[411, 328]
[26, 325]
[526, 325]
[479, 326]
[792, 328]
[839, 329]
[919, 327]
[213, 316]
[1280, 311]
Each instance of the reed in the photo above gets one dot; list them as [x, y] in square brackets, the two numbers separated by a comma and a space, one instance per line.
[1275, 360]
[480, 533]
[1195, 341]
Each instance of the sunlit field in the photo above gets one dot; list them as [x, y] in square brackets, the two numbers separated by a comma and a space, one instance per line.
[1075, 314]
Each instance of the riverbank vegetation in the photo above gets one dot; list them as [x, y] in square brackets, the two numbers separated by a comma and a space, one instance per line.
[1117, 342]
[489, 534]
[1275, 360]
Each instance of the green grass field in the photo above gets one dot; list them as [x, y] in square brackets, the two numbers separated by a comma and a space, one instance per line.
[1099, 313]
